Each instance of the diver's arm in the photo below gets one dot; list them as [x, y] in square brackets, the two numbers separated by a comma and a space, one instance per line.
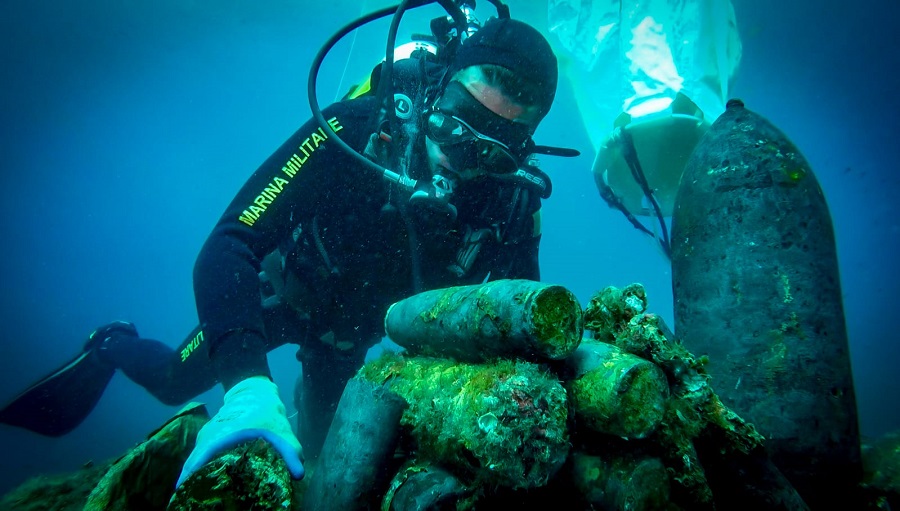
[277, 197]
[285, 190]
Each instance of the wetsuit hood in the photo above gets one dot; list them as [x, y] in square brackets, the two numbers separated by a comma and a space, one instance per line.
[517, 46]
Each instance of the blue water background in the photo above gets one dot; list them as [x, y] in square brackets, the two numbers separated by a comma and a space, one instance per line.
[126, 127]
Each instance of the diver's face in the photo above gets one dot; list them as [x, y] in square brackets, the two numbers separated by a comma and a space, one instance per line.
[495, 112]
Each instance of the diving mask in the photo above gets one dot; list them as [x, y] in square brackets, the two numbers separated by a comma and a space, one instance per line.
[474, 137]
[466, 147]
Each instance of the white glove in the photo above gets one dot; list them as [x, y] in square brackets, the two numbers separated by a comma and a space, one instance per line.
[252, 410]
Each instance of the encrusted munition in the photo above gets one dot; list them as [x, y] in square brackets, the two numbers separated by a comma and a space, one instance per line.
[501, 424]
[615, 392]
[503, 318]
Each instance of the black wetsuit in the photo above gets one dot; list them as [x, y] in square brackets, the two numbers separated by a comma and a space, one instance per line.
[347, 249]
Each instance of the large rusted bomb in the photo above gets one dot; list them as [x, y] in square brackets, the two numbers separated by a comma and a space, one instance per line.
[756, 285]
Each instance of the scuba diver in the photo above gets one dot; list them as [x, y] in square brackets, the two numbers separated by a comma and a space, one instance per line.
[316, 245]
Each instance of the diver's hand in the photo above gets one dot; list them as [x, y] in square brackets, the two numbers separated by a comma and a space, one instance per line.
[252, 410]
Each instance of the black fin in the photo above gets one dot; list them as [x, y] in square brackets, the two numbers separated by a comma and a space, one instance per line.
[59, 402]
